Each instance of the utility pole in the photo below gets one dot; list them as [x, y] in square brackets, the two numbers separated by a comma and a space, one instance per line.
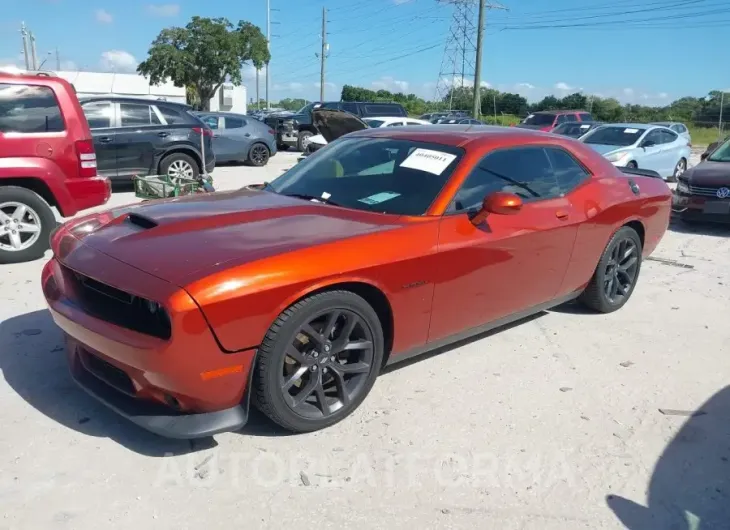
[58, 60]
[32, 51]
[722, 104]
[323, 55]
[268, 48]
[258, 99]
[26, 54]
[483, 6]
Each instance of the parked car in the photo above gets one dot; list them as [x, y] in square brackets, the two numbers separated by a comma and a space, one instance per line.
[432, 116]
[575, 129]
[388, 243]
[549, 119]
[296, 130]
[679, 128]
[136, 136]
[639, 145]
[703, 192]
[710, 148]
[47, 159]
[387, 121]
[239, 138]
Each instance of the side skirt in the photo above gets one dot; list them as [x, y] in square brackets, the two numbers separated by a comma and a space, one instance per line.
[504, 321]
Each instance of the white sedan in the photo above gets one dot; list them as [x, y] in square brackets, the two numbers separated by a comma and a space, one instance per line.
[394, 122]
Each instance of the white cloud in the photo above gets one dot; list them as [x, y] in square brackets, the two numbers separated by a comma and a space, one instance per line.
[663, 95]
[287, 87]
[104, 16]
[525, 86]
[118, 61]
[563, 86]
[390, 84]
[628, 91]
[163, 10]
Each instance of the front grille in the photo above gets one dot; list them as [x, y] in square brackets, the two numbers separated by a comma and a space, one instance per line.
[118, 307]
[107, 372]
[705, 192]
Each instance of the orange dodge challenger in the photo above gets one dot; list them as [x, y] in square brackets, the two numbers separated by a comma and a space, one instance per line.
[384, 244]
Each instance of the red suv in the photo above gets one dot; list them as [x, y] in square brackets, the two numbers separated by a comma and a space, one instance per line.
[547, 120]
[47, 159]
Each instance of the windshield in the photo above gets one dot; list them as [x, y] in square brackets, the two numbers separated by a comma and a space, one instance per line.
[620, 136]
[539, 119]
[721, 154]
[387, 175]
[374, 123]
[306, 109]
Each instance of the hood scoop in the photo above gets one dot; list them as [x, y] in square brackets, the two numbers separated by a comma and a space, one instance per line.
[141, 221]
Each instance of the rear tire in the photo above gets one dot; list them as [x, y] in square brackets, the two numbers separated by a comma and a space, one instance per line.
[258, 155]
[180, 165]
[617, 272]
[26, 222]
[291, 358]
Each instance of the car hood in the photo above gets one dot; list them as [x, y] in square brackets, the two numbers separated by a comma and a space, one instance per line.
[333, 123]
[710, 174]
[182, 240]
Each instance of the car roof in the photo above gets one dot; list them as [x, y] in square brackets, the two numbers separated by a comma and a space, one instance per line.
[454, 135]
[128, 99]
[561, 112]
[642, 126]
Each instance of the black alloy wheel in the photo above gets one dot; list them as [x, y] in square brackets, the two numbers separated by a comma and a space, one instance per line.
[258, 155]
[632, 165]
[318, 361]
[617, 273]
[327, 363]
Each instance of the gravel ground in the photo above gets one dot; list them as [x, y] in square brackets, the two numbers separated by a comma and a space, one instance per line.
[550, 424]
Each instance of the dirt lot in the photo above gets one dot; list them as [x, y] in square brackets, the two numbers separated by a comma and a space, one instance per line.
[554, 423]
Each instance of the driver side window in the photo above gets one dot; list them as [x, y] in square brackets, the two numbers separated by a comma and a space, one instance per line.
[524, 171]
[654, 137]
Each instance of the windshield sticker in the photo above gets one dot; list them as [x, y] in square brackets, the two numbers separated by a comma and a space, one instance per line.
[326, 195]
[427, 160]
[631, 131]
[379, 197]
[584, 126]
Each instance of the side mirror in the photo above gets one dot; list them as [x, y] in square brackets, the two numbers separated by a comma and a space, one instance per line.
[648, 143]
[704, 156]
[498, 203]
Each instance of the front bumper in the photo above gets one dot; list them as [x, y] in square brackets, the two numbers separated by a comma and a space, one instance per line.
[701, 209]
[182, 387]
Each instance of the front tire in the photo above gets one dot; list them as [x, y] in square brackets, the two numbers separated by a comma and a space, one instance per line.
[617, 272]
[679, 170]
[318, 361]
[26, 222]
[303, 140]
[632, 165]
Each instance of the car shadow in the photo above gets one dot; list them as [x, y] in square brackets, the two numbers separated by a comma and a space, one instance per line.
[574, 307]
[698, 227]
[33, 363]
[690, 485]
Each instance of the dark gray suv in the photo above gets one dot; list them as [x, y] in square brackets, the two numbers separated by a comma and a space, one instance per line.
[136, 136]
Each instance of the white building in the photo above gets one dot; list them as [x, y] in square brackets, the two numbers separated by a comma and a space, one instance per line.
[228, 98]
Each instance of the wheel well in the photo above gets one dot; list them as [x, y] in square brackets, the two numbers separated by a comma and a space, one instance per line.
[32, 184]
[182, 150]
[307, 128]
[639, 228]
[377, 300]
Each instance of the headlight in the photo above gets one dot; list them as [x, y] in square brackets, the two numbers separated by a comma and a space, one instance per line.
[615, 157]
[682, 187]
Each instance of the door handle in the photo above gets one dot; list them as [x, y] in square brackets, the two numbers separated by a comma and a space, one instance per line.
[561, 214]
[247, 135]
[163, 134]
[104, 139]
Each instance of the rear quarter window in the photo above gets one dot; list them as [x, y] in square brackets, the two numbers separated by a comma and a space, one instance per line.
[29, 109]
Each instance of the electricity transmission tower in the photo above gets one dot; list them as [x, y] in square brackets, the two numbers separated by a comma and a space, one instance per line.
[463, 47]
[457, 65]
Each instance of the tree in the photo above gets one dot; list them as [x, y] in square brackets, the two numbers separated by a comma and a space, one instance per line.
[203, 55]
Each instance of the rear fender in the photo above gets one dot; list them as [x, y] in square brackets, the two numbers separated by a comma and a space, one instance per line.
[46, 172]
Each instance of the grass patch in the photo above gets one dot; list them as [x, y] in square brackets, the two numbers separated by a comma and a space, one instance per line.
[703, 135]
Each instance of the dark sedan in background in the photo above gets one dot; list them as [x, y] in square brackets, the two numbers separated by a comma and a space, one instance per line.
[703, 192]
[575, 129]
[239, 138]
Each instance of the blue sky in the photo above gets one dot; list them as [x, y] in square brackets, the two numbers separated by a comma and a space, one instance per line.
[642, 51]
